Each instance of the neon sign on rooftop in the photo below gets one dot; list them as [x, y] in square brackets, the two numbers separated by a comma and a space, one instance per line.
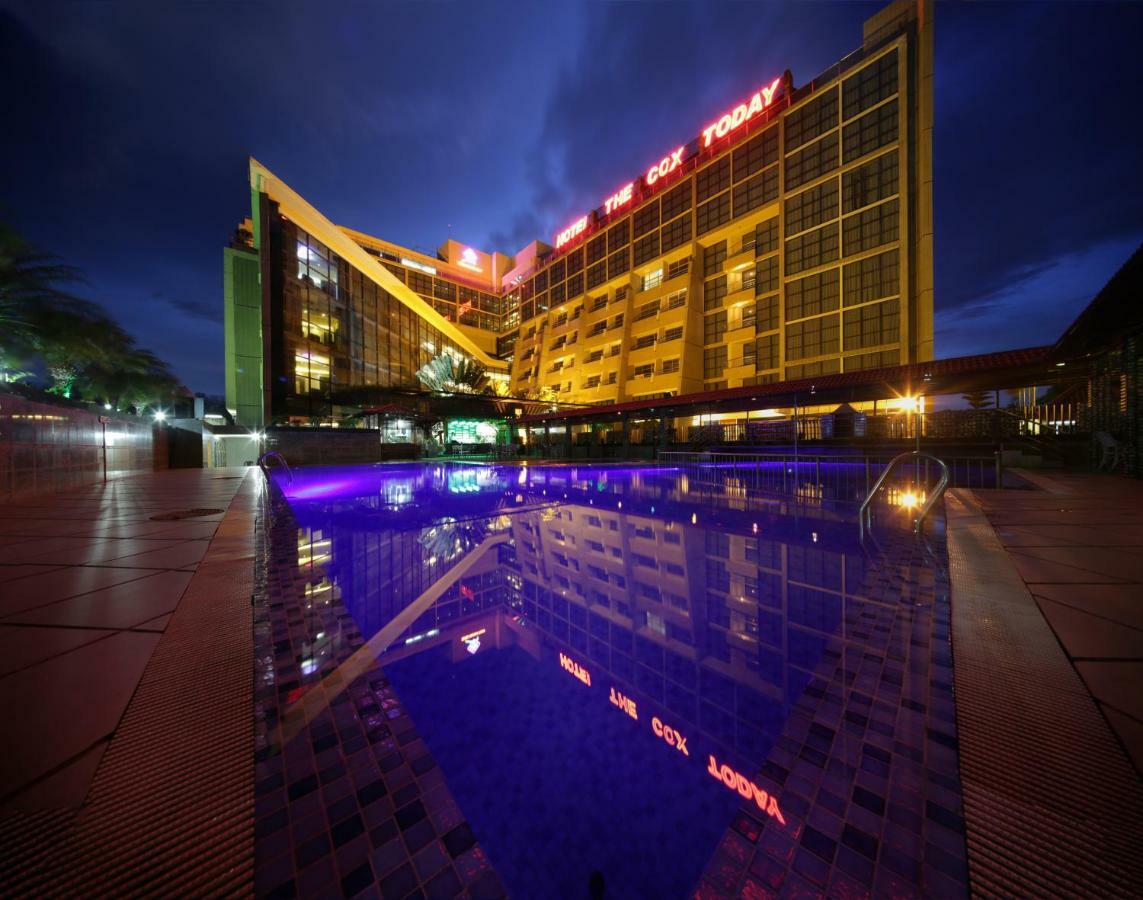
[729, 122]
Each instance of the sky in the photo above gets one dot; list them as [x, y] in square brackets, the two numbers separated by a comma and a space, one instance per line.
[128, 127]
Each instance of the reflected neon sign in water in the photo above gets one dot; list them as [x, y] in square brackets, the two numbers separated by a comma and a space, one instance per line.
[736, 781]
[573, 668]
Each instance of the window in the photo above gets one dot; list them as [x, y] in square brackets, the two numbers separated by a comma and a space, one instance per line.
[591, 382]
[677, 299]
[644, 341]
[317, 264]
[749, 313]
[756, 191]
[713, 362]
[676, 201]
[644, 371]
[647, 310]
[757, 153]
[713, 292]
[619, 236]
[612, 377]
[813, 295]
[670, 366]
[813, 119]
[874, 181]
[874, 360]
[311, 372]
[617, 322]
[713, 258]
[714, 327]
[814, 248]
[811, 208]
[870, 86]
[812, 337]
[618, 263]
[749, 351]
[598, 303]
[646, 218]
[812, 162]
[766, 313]
[748, 279]
[598, 328]
[766, 237]
[766, 352]
[872, 131]
[713, 213]
[594, 356]
[673, 334]
[596, 249]
[676, 234]
[575, 285]
[870, 228]
[596, 275]
[653, 279]
[575, 261]
[646, 248]
[808, 370]
[766, 275]
[712, 180]
[872, 278]
[678, 267]
[873, 325]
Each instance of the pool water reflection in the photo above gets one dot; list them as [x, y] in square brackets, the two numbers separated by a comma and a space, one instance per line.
[612, 666]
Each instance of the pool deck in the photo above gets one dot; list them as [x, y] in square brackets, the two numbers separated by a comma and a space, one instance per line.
[127, 663]
[125, 686]
[1078, 547]
[1046, 594]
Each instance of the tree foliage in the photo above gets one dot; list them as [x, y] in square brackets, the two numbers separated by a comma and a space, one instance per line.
[81, 351]
[449, 373]
[979, 399]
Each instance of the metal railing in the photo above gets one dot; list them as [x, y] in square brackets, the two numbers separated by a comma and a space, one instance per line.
[851, 475]
[863, 515]
[264, 464]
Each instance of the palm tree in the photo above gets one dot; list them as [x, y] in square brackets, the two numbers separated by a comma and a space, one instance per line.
[28, 292]
[82, 348]
[450, 373]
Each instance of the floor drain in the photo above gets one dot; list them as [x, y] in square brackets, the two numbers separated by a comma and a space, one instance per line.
[184, 514]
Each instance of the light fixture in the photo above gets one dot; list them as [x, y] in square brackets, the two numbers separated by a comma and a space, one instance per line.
[160, 416]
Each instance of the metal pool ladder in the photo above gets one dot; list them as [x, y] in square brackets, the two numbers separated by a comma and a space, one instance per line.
[264, 464]
[863, 515]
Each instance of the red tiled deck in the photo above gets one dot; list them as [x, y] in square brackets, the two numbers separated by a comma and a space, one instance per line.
[114, 631]
[1078, 546]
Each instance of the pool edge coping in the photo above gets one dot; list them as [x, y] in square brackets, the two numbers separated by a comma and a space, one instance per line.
[1052, 803]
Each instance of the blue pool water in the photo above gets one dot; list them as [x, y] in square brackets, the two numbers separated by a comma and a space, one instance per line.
[607, 662]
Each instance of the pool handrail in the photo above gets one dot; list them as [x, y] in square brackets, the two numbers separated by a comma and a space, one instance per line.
[933, 497]
[264, 460]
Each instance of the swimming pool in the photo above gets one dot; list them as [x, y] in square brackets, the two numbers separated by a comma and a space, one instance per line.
[665, 676]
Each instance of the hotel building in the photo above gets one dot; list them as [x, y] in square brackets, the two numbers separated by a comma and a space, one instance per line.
[791, 237]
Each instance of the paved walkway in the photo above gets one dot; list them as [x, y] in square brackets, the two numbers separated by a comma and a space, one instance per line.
[89, 580]
[1078, 545]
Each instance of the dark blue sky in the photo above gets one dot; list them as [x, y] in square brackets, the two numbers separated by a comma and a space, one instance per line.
[127, 127]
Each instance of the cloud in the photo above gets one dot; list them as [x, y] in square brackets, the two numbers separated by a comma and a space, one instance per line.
[1033, 310]
[196, 308]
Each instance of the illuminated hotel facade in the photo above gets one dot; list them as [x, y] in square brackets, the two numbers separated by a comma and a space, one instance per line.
[791, 237]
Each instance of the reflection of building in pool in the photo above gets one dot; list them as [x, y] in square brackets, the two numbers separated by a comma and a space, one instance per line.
[721, 629]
